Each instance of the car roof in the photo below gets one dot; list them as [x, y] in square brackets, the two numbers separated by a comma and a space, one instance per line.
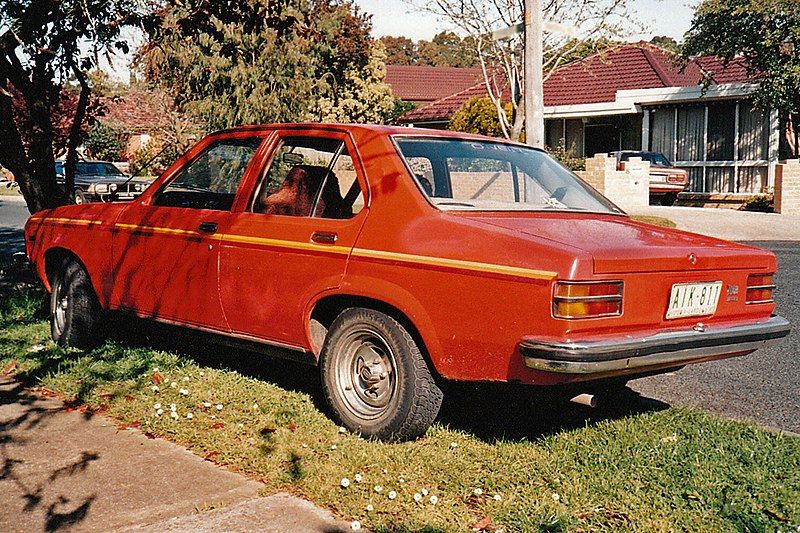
[363, 128]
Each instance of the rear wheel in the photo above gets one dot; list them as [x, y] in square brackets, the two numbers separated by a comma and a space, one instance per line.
[80, 198]
[75, 314]
[375, 379]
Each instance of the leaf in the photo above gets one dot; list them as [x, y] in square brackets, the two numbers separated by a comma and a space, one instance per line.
[157, 379]
[11, 367]
[130, 425]
[482, 524]
[217, 425]
[211, 456]
[775, 515]
[292, 427]
[106, 395]
[129, 398]
[267, 430]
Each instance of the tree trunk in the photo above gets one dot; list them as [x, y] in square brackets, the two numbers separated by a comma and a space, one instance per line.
[75, 134]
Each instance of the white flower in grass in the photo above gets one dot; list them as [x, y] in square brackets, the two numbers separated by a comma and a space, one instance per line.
[385, 471]
[185, 378]
[173, 407]
[157, 406]
[154, 388]
[424, 492]
[392, 495]
[556, 497]
[497, 497]
[344, 483]
[174, 415]
[355, 525]
[189, 416]
[240, 425]
[304, 445]
[206, 404]
[378, 488]
[478, 491]
[417, 497]
[333, 446]
[434, 500]
[370, 508]
[454, 444]
[202, 373]
[219, 407]
[401, 479]
[255, 407]
[184, 392]
[342, 429]
[159, 412]
[358, 478]
[173, 384]
[155, 369]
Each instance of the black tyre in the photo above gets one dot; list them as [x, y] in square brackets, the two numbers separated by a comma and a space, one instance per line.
[375, 379]
[76, 318]
[80, 198]
[669, 199]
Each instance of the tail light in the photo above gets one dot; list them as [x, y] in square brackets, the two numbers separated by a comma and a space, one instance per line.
[677, 178]
[760, 288]
[587, 299]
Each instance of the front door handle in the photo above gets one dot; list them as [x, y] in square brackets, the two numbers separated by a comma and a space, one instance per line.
[207, 227]
[323, 237]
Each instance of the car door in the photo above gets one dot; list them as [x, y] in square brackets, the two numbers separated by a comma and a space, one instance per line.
[166, 247]
[291, 241]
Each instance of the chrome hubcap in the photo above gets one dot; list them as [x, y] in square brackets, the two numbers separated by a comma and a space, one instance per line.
[366, 373]
[60, 305]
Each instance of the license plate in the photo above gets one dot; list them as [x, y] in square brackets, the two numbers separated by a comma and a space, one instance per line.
[693, 299]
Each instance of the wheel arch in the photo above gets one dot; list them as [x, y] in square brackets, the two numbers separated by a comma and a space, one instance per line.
[325, 309]
[54, 257]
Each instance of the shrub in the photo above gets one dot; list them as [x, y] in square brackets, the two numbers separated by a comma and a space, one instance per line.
[759, 202]
[105, 142]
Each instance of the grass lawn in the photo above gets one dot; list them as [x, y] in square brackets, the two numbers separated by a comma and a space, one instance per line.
[655, 221]
[496, 460]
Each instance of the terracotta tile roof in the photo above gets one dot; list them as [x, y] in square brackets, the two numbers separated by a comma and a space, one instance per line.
[137, 111]
[420, 83]
[598, 77]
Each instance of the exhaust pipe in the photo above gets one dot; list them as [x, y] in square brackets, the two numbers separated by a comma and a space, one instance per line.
[589, 400]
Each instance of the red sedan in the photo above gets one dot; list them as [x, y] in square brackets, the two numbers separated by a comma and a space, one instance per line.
[392, 258]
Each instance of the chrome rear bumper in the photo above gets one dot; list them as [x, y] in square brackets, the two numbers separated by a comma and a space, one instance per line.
[670, 348]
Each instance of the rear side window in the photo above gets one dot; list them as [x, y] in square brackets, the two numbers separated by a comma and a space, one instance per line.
[210, 182]
[310, 176]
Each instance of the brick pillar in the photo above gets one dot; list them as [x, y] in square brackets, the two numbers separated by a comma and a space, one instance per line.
[629, 187]
[787, 187]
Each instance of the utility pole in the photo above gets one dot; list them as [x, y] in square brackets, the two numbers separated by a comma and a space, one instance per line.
[532, 69]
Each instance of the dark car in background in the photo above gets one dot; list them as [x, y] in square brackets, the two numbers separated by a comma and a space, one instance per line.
[101, 181]
[666, 180]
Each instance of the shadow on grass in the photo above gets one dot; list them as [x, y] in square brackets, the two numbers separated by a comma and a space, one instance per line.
[490, 411]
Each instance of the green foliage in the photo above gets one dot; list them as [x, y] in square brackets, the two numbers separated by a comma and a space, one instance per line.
[567, 158]
[577, 49]
[400, 107]
[478, 115]
[261, 61]
[105, 142]
[664, 41]
[765, 33]
[760, 202]
[446, 49]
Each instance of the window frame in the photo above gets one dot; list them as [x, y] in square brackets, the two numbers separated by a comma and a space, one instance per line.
[201, 149]
[274, 145]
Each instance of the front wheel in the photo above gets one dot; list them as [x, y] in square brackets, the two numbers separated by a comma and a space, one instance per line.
[375, 378]
[75, 314]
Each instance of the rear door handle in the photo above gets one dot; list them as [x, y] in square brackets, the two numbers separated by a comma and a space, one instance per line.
[208, 227]
[323, 237]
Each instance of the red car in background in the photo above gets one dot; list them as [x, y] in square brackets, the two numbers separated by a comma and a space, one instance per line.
[666, 180]
[393, 258]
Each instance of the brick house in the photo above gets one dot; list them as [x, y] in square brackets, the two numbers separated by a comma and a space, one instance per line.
[639, 96]
[422, 85]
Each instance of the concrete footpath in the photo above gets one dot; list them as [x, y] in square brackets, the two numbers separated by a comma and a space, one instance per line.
[68, 470]
[728, 224]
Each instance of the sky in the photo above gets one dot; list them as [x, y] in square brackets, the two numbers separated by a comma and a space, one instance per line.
[398, 17]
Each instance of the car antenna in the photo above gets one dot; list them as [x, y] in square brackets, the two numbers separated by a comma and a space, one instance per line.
[150, 162]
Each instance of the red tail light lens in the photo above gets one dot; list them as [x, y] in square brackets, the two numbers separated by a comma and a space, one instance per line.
[586, 299]
[677, 178]
[760, 288]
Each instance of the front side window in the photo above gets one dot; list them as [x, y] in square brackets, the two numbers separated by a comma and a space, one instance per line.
[310, 176]
[485, 175]
[210, 182]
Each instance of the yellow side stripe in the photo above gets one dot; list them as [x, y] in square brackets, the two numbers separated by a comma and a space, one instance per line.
[74, 221]
[155, 229]
[294, 245]
[455, 263]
